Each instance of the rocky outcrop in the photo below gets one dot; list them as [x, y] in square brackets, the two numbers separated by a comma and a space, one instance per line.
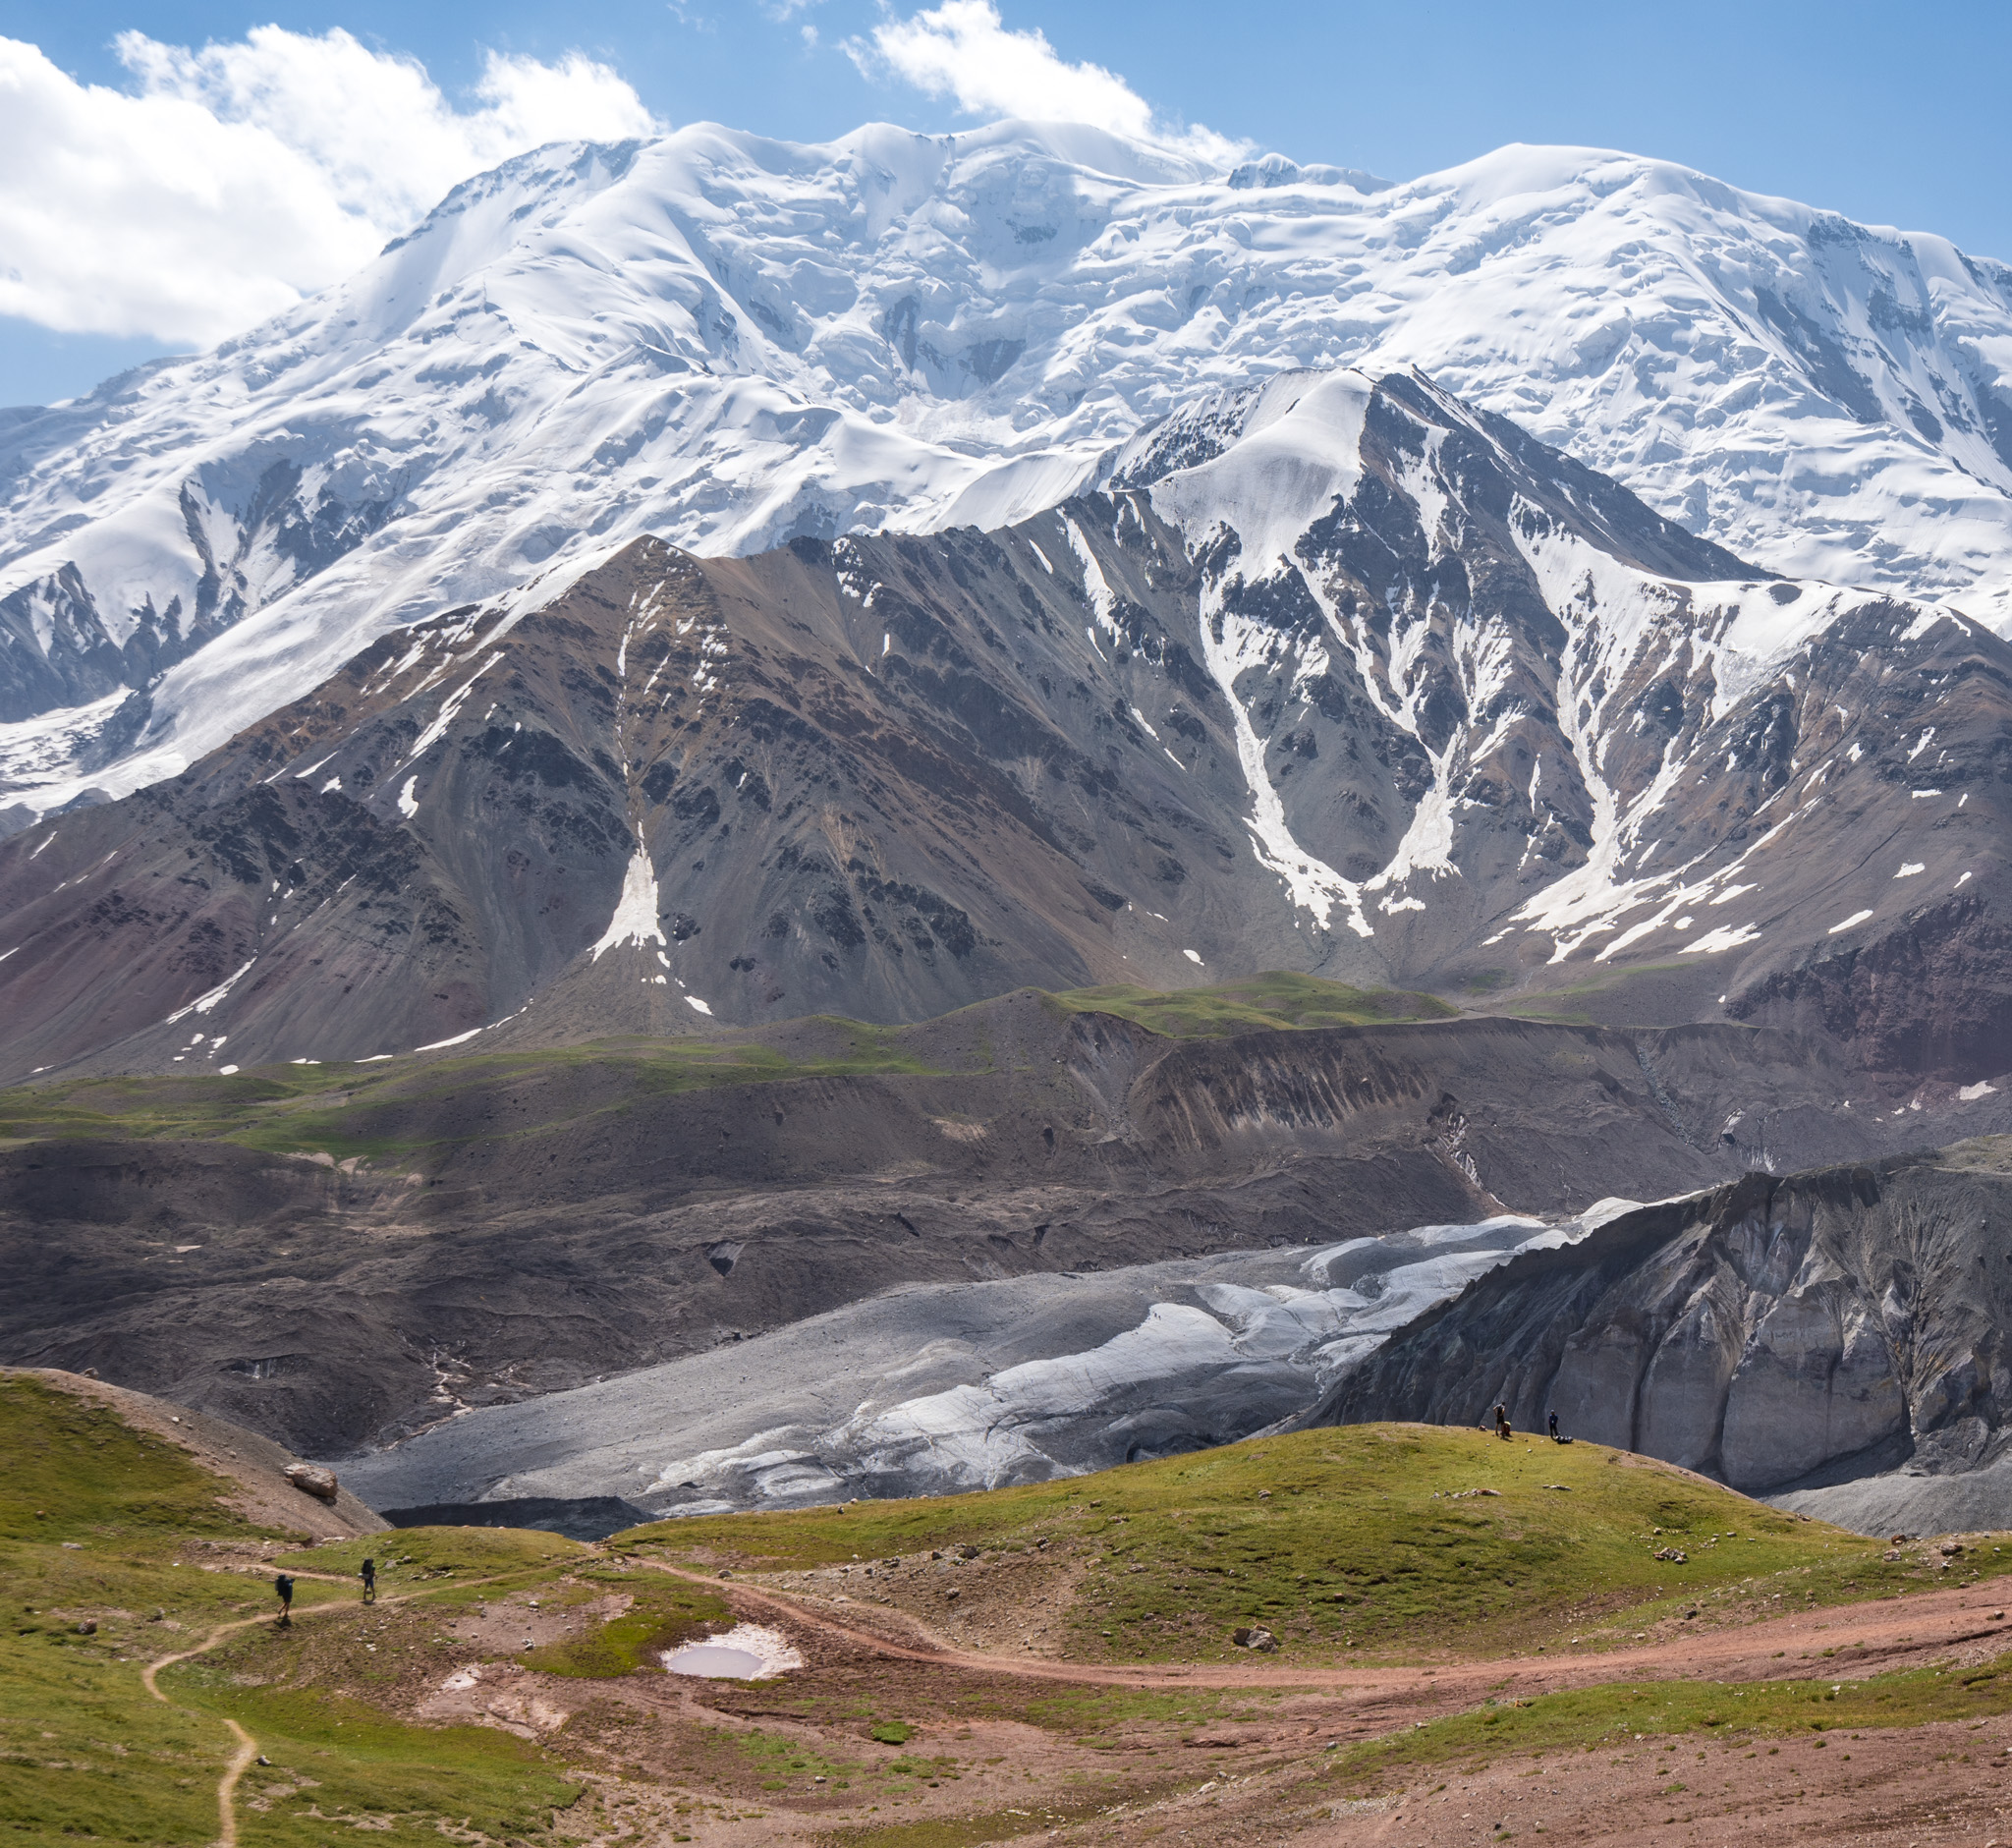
[1844, 1321]
[1405, 729]
[310, 1479]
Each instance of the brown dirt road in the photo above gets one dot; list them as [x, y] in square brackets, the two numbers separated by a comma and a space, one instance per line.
[1261, 1781]
[1880, 1635]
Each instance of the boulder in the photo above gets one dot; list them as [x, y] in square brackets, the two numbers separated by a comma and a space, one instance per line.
[310, 1479]
[1254, 1636]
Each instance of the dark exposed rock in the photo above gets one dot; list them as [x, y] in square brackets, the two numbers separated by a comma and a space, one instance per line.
[1775, 1333]
[918, 770]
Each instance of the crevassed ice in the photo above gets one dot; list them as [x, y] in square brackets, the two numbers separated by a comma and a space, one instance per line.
[728, 340]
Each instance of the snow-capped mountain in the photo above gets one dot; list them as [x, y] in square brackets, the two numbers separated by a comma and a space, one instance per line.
[1337, 674]
[728, 342]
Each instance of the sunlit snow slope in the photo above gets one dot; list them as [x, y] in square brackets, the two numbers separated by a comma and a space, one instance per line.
[729, 342]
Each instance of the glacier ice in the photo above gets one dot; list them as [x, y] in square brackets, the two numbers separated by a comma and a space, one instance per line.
[730, 341]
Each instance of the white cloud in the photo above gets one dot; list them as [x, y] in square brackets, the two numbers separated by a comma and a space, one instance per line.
[233, 180]
[963, 49]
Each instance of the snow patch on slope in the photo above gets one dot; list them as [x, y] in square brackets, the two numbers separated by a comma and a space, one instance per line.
[636, 912]
[1617, 619]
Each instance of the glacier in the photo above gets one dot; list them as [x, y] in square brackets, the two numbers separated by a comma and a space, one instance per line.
[940, 1388]
[730, 342]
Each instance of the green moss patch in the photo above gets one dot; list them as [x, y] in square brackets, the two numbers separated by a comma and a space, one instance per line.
[664, 1613]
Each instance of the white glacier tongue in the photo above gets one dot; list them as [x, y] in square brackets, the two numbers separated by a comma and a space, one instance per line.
[729, 341]
[935, 1388]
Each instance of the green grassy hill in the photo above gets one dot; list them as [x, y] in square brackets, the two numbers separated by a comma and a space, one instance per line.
[105, 1537]
[1406, 1541]
[1274, 1000]
[1354, 1545]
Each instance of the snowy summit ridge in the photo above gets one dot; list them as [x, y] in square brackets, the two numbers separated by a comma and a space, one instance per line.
[729, 342]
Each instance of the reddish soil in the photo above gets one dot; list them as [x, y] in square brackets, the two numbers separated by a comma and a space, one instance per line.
[1249, 1782]
[1921, 1785]
[1017, 1749]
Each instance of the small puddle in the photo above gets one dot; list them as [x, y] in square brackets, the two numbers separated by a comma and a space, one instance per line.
[715, 1664]
[749, 1651]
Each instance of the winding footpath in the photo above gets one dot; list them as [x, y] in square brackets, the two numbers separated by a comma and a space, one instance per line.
[247, 1753]
[1877, 1635]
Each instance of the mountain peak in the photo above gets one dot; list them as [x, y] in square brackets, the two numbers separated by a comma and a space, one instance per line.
[1336, 674]
[730, 341]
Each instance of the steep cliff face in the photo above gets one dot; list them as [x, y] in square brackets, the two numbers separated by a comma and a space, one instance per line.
[1847, 1321]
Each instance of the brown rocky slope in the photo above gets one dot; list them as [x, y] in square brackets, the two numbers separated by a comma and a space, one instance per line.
[334, 1264]
[1486, 725]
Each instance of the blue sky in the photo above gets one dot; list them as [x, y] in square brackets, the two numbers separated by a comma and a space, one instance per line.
[1889, 115]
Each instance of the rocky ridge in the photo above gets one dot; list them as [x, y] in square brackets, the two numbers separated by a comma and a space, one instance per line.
[1340, 674]
[1836, 1339]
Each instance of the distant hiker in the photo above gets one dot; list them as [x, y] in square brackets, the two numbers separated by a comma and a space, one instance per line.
[1502, 1423]
[283, 1590]
[369, 1568]
[1554, 1427]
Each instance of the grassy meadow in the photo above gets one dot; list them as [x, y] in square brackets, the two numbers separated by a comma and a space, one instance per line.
[1355, 1547]
[1362, 1542]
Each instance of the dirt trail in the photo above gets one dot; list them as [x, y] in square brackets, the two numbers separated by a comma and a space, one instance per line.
[1879, 1631]
[247, 1753]
[227, 1785]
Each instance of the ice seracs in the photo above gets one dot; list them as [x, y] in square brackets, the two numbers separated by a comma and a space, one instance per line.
[730, 341]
